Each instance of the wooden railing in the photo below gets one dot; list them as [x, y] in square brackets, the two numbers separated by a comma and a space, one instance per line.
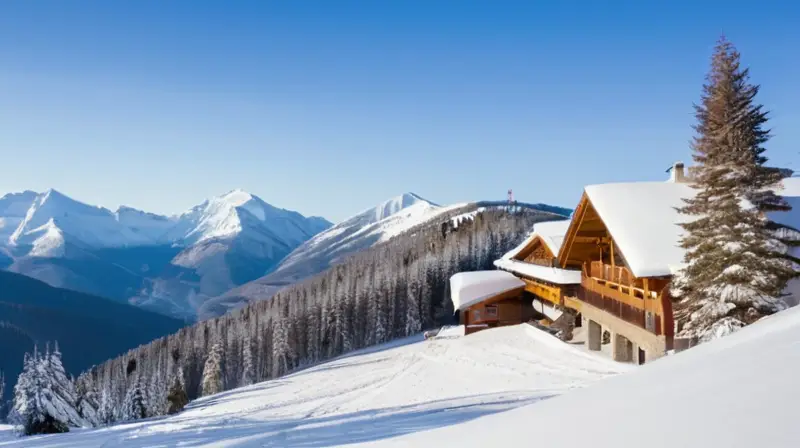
[631, 304]
[617, 274]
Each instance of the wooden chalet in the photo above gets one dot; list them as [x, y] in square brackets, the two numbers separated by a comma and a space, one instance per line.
[488, 299]
[612, 263]
[624, 238]
[535, 262]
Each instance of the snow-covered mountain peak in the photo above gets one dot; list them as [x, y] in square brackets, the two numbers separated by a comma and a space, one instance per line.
[238, 197]
[53, 213]
[371, 226]
[397, 203]
[226, 216]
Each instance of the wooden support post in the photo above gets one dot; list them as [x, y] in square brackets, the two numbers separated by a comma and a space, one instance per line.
[611, 243]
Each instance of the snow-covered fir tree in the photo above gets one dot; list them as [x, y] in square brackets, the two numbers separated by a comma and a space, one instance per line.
[59, 391]
[44, 397]
[736, 269]
[105, 413]
[26, 392]
[212, 370]
[134, 407]
[88, 402]
[176, 397]
[248, 369]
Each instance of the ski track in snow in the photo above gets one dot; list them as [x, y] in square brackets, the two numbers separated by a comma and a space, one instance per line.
[373, 394]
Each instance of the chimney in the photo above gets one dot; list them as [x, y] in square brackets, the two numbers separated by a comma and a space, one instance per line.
[676, 173]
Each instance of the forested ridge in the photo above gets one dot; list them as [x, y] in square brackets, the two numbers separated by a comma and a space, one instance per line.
[395, 289]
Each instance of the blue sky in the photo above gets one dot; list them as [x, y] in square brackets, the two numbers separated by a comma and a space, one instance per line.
[329, 107]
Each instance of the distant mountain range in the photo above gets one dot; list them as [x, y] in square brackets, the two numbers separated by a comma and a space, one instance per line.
[214, 257]
[166, 264]
[89, 329]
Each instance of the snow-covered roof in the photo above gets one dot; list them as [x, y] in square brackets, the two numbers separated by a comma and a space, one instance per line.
[469, 288]
[552, 275]
[551, 232]
[643, 220]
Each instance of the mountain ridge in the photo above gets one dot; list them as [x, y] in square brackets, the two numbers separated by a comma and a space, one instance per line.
[224, 241]
[352, 236]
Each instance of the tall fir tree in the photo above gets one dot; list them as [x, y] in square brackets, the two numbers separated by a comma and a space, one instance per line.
[248, 368]
[212, 370]
[134, 407]
[177, 397]
[735, 270]
[87, 401]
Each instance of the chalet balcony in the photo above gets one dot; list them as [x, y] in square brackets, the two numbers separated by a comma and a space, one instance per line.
[615, 274]
[616, 291]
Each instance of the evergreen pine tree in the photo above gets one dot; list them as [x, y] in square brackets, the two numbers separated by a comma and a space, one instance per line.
[177, 397]
[59, 391]
[134, 407]
[212, 371]
[248, 368]
[735, 271]
[39, 404]
[87, 402]
[105, 413]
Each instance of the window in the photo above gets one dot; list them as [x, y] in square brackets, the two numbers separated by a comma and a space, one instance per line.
[491, 311]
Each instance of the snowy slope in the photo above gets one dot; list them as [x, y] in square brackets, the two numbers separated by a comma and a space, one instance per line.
[738, 391]
[373, 225]
[13, 208]
[406, 386]
[150, 225]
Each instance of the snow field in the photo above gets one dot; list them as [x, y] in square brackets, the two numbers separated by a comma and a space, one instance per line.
[737, 391]
[402, 387]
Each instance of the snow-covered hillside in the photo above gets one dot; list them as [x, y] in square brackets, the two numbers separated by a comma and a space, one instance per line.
[360, 232]
[365, 229]
[738, 391]
[13, 208]
[407, 386]
[150, 225]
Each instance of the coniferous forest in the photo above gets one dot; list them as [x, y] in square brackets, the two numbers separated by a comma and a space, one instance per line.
[390, 291]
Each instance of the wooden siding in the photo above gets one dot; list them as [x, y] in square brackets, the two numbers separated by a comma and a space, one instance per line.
[508, 311]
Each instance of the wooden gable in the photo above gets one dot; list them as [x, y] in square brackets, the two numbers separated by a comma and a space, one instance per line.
[535, 252]
[587, 239]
